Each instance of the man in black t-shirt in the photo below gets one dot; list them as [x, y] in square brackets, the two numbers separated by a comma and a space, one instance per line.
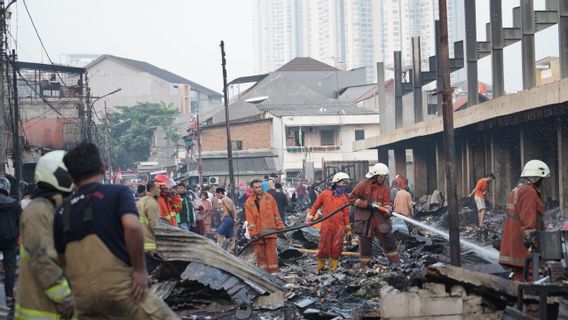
[100, 241]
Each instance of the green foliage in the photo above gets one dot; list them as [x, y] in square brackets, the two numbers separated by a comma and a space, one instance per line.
[132, 127]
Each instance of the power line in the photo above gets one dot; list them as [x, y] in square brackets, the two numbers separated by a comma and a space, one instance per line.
[41, 41]
[38, 94]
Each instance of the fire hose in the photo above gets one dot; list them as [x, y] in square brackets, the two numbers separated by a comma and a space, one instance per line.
[294, 228]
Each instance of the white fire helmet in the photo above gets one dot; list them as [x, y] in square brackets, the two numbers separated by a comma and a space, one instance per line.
[339, 176]
[380, 169]
[51, 170]
[535, 168]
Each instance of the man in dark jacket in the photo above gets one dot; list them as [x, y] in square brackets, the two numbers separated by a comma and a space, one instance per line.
[281, 200]
[10, 212]
[186, 216]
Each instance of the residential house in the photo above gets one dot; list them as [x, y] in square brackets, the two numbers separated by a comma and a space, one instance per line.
[291, 118]
[143, 82]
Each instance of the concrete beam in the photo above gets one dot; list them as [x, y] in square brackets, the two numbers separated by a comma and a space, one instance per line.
[543, 96]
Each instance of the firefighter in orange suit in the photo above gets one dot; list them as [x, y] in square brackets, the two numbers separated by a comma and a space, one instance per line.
[262, 216]
[167, 210]
[369, 222]
[333, 229]
[525, 215]
[43, 291]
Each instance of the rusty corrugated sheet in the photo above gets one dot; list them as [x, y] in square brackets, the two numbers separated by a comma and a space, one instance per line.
[175, 244]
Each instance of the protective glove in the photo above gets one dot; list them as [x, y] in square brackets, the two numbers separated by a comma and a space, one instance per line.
[65, 308]
[529, 238]
[348, 230]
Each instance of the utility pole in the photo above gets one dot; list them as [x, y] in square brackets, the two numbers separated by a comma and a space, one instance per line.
[227, 125]
[89, 109]
[449, 147]
[199, 160]
[16, 129]
[107, 141]
[3, 63]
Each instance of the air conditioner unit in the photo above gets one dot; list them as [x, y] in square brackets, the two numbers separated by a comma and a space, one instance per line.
[213, 180]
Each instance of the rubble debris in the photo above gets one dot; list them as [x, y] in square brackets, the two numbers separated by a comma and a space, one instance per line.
[240, 292]
[305, 302]
[178, 245]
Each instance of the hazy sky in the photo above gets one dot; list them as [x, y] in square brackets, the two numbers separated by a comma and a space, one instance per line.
[183, 36]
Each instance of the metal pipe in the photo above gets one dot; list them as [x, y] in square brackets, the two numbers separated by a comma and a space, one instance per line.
[528, 54]
[471, 47]
[449, 144]
[497, 72]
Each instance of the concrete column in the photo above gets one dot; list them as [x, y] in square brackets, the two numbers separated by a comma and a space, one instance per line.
[440, 166]
[417, 80]
[528, 54]
[400, 161]
[468, 164]
[562, 137]
[383, 155]
[420, 156]
[398, 115]
[382, 107]
[563, 37]
[439, 76]
[496, 18]
[471, 52]
[503, 168]
[491, 162]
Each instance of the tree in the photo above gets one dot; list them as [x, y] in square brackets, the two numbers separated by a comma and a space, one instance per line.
[132, 127]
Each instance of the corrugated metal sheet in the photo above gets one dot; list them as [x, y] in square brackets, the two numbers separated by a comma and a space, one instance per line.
[175, 244]
[240, 292]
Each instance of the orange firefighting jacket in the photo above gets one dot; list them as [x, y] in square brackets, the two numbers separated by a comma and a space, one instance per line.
[262, 214]
[328, 203]
[366, 192]
[166, 210]
[525, 211]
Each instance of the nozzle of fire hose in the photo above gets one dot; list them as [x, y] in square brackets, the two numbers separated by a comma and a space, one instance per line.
[385, 210]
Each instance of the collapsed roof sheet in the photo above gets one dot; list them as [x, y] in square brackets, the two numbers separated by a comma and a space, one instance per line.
[178, 245]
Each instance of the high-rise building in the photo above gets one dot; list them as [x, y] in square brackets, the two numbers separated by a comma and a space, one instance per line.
[342, 33]
[346, 33]
[404, 19]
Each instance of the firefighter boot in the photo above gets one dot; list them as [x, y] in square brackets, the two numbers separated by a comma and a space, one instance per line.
[484, 233]
[333, 264]
[478, 233]
[321, 265]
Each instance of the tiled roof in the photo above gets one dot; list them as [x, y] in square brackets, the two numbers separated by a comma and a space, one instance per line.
[327, 109]
[306, 64]
[156, 72]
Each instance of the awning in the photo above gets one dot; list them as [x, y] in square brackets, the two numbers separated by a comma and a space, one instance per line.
[242, 166]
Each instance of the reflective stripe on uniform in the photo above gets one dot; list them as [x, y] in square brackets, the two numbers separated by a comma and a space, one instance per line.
[23, 253]
[149, 245]
[509, 259]
[393, 253]
[143, 220]
[30, 314]
[59, 291]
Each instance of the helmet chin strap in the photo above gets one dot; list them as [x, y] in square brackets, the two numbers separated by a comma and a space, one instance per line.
[536, 181]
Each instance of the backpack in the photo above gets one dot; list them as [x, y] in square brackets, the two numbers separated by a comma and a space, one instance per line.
[10, 224]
